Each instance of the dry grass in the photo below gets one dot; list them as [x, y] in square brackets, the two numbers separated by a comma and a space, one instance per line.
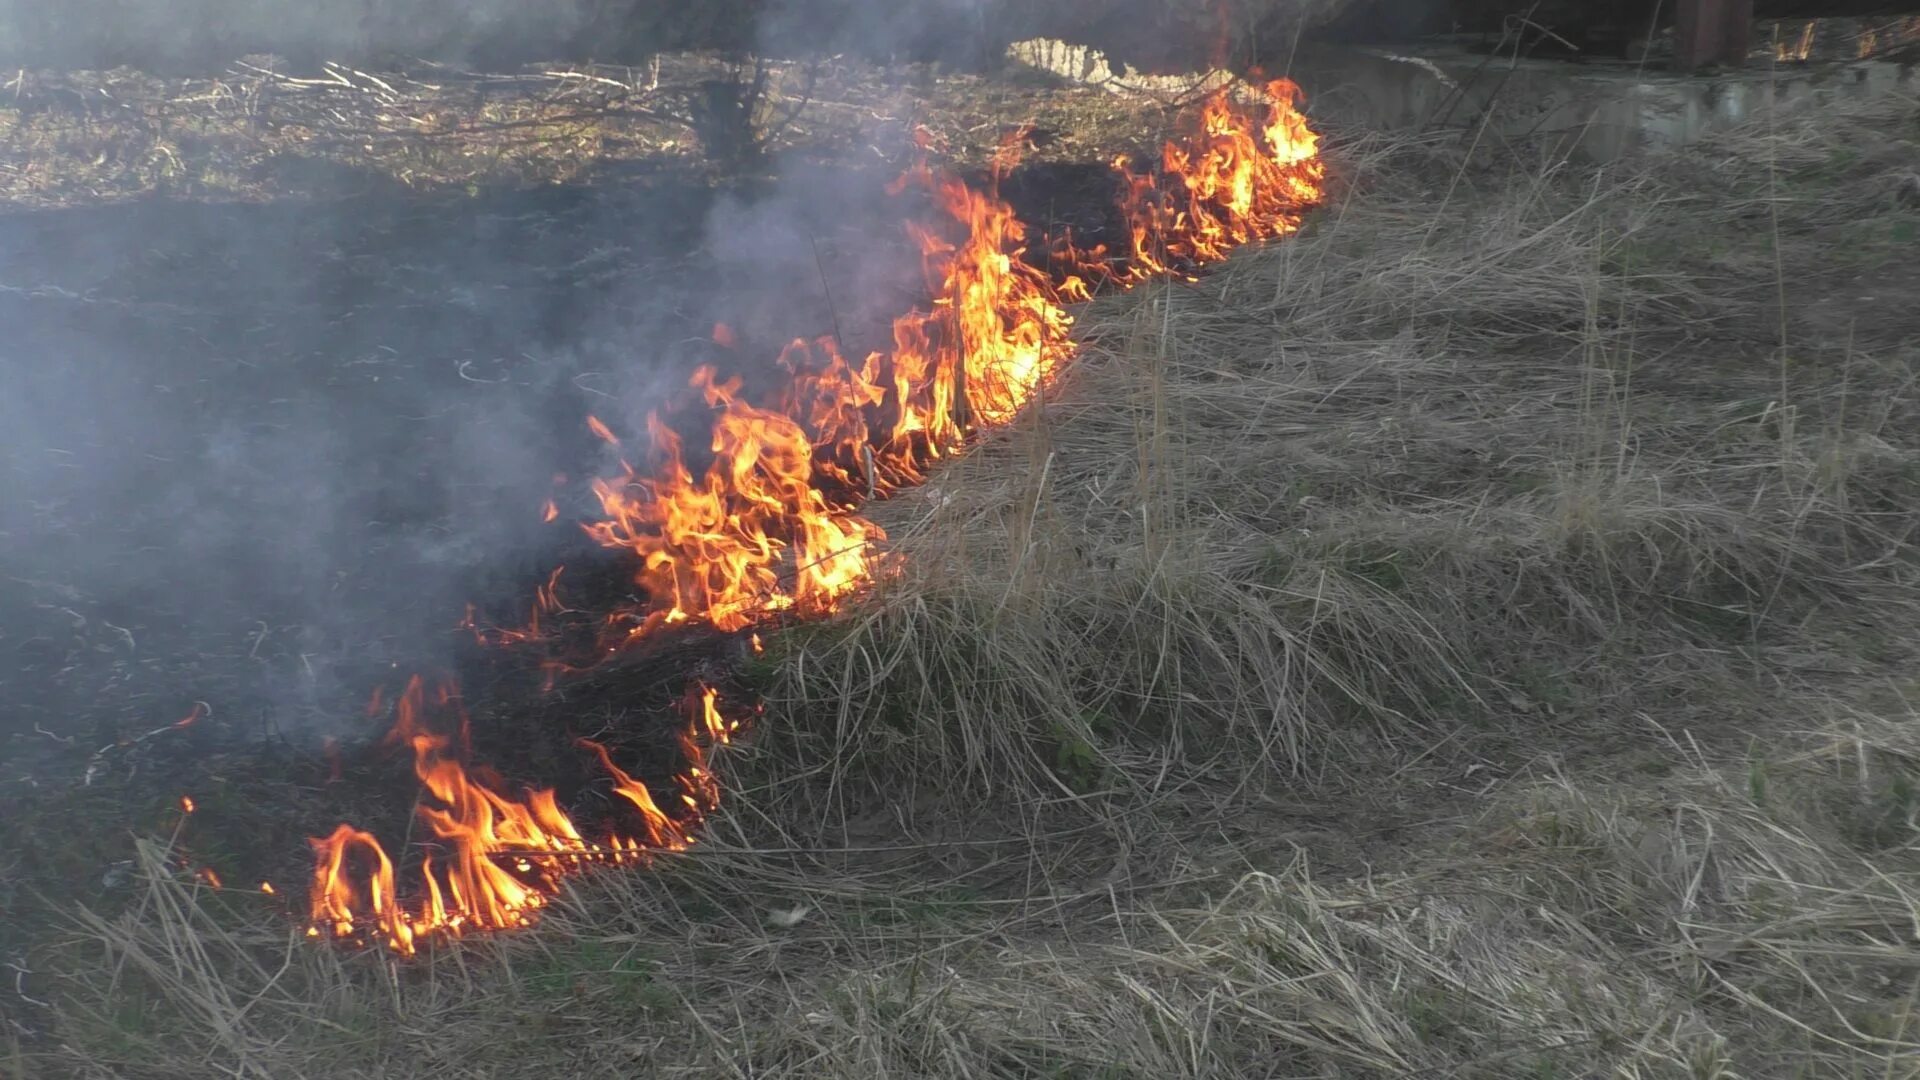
[1471, 639]
[254, 131]
[1406, 473]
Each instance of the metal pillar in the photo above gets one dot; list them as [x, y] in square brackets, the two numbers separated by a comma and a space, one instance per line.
[1712, 32]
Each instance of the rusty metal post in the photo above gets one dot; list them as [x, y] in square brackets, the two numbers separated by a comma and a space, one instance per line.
[1712, 32]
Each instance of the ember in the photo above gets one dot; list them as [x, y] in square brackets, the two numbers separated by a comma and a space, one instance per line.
[769, 525]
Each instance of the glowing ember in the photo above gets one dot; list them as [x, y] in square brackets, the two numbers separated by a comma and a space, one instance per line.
[768, 525]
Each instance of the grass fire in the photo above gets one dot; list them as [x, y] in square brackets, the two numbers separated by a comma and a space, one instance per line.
[883, 538]
[771, 525]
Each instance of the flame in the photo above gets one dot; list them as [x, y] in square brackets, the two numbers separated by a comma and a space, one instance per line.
[751, 535]
[186, 804]
[267, 887]
[499, 855]
[767, 527]
[718, 728]
[768, 524]
[1797, 49]
[1230, 181]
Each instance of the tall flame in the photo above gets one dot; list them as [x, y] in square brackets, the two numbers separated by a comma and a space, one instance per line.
[766, 527]
[1232, 179]
[713, 547]
[770, 524]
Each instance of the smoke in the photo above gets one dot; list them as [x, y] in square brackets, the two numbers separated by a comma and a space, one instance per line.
[257, 455]
[262, 455]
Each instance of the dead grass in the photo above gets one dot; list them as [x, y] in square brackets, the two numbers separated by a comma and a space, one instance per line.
[1474, 639]
[255, 131]
[1407, 472]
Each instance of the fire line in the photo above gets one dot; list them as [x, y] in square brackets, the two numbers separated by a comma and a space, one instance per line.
[771, 525]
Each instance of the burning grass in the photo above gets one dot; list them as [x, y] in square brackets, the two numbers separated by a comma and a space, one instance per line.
[771, 524]
[1474, 637]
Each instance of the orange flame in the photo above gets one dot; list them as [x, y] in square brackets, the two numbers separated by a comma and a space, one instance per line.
[769, 524]
[765, 528]
[499, 856]
[1232, 180]
[599, 429]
